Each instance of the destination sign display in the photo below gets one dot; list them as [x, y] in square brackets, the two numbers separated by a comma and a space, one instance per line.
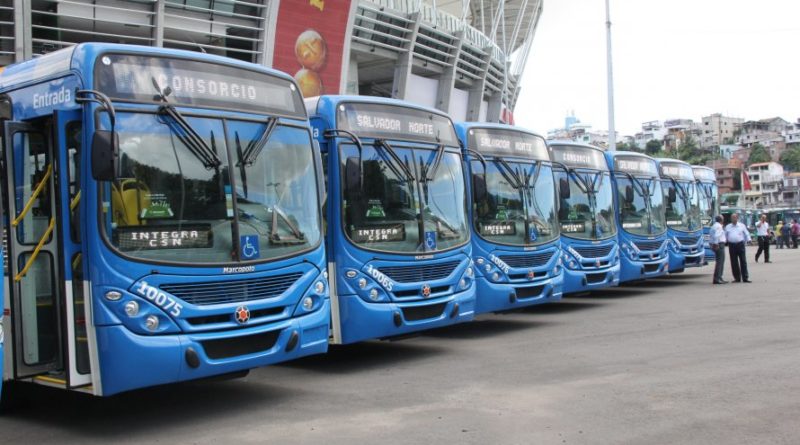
[379, 232]
[130, 77]
[704, 174]
[383, 121]
[183, 236]
[578, 227]
[635, 165]
[500, 228]
[579, 157]
[499, 142]
[676, 170]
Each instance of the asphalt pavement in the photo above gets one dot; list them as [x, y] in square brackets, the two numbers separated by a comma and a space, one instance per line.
[673, 360]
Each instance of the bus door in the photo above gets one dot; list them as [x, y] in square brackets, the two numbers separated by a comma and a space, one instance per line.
[35, 183]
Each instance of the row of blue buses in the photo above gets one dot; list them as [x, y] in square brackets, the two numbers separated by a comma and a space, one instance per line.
[172, 216]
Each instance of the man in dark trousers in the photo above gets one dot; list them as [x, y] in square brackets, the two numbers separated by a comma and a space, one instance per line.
[762, 231]
[717, 242]
[738, 236]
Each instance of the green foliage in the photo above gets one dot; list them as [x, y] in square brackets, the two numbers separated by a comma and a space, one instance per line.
[623, 146]
[758, 153]
[690, 152]
[653, 146]
[791, 159]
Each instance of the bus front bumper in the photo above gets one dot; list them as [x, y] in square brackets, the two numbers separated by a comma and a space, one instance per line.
[361, 320]
[498, 297]
[130, 361]
[632, 270]
[679, 261]
[576, 281]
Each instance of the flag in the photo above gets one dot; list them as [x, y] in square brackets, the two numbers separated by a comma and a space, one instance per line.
[746, 181]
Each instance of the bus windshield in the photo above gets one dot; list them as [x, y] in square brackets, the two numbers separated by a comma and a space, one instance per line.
[708, 202]
[518, 206]
[588, 211]
[249, 196]
[386, 191]
[683, 211]
[644, 214]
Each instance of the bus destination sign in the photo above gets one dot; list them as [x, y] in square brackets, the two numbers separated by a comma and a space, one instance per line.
[163, 237]
[500, 142]
[500, 228]
[676, 170]
[635, 165]
[137, 78]
[379, 233]
[579, 157]
[704, 174]
[576, 227]
[386, 121]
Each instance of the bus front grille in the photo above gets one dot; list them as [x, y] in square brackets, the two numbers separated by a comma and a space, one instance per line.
[534, 259]
[233, 291]
[593, 251]
[233, 347]
[689, 241]
[648, 245]
[424, 272]
[416, 313]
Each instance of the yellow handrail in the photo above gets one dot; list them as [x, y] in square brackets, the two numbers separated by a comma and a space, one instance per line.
[75, 201]
[35, 252]
[35, 195]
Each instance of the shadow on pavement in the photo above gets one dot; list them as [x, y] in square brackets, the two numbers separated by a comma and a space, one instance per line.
[364, 356]
[484, 327]
[562, 307]
[616, 292]
[145, 412]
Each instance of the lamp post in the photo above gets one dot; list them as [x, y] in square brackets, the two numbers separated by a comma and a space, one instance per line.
[612, 134]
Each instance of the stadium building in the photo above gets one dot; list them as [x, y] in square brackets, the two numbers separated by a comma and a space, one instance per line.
[463, 57]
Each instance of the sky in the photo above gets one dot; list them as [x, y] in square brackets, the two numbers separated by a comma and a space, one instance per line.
[671, 58]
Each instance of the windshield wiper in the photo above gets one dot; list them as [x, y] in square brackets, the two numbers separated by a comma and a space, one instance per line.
[278, 214]
[241, 165]
[255, 147]
[388, 149]
[187, 135]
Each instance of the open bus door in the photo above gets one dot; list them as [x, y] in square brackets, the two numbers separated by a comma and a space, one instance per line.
[47, 340]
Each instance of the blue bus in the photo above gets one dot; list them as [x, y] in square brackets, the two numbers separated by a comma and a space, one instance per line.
[709, 203]
[682, 208]
[164, 219]
[641, 224]
[515, 231]
[588, 226]
[398, 241]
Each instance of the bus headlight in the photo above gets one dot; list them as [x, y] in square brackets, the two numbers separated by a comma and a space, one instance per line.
[308, 303]
[470, 272]
[113, 295]
[462, 284]
[496, 276]
[373, 294]
[362, 283]
[319, 287]
[487, 268]
[480, 261]
[151, 322]
[132, 308]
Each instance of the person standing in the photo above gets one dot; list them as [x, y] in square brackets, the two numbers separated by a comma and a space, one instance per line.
[762, 231]
[795, 233]
[737, 237]
[717, 242]
[779, 235]
[786, 234]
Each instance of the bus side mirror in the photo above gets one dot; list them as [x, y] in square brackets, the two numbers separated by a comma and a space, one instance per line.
[563, 188]
[672, 195]
[105, 155]
[352, 176]
[628, 193]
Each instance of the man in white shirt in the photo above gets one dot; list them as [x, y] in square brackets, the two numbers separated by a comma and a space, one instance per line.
[737, 237]
[762, 231]
[717, 242]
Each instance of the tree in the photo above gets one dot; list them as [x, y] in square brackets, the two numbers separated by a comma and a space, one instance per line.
[791, 159]
[624, 146]
[653, 147]
[688, 151]
[758, 153]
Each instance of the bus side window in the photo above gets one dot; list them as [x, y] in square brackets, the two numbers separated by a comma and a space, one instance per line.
[73, 138]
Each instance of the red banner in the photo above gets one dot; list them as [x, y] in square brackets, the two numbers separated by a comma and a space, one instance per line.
[309, 43]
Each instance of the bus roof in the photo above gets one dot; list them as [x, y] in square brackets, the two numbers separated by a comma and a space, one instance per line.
[82, 57]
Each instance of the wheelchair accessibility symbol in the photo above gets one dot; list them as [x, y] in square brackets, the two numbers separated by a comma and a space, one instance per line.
[249, 247]
[430, 240]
